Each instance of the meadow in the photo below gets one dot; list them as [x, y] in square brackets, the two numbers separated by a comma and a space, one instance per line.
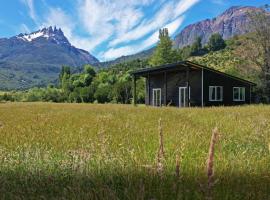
[92, 151]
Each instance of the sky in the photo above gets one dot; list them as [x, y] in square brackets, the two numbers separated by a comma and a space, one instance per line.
[110, 28]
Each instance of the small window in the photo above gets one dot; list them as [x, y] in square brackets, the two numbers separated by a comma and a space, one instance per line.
[157, 97]
[239, 93]
[215, 93]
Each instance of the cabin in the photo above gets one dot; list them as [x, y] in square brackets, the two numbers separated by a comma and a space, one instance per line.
[186, 84]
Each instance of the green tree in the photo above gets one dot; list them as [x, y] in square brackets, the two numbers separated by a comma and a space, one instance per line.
[196, 47]
[102, 93]
[216, 42]
[184, 53]
[164, 52]
[89, 74]
[65, 72]
[259, 50]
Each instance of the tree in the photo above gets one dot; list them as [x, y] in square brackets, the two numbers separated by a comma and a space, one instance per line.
[216, 42]
[196, 47]
[122, 89]
[88, 69]
[102, 93]
[89, 74]
[65, 72]
[260, 48]
[164, 52]
[184, 53]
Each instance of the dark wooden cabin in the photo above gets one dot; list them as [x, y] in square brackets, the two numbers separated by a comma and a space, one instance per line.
[187, 84]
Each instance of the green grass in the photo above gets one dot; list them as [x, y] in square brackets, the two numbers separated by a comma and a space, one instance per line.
[83, 151]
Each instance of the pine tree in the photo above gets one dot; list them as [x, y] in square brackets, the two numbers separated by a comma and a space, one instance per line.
[164, 52]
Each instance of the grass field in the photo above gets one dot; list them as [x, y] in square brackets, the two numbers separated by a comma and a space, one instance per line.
[81, 151]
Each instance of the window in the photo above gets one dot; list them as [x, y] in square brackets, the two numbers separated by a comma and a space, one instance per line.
[215, 93]
[157, 97]
[239, 94]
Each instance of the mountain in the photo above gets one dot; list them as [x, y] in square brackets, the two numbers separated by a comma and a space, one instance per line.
[234, 21]
[35, 59]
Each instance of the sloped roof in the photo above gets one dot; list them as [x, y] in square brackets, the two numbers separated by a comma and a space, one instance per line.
[145, 71]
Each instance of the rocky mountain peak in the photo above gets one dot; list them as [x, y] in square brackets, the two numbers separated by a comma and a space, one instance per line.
[50, 33]
[233, 21]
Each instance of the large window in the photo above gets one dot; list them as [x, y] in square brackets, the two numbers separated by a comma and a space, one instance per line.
[215, 93]
[239, 94]
[157, 97]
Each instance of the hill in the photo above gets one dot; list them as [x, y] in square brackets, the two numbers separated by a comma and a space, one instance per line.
[230, 61]
[28, 60]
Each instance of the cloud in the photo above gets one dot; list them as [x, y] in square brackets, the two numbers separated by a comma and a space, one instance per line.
[168, 12]
[150, 41]
[57, 17]
[106, 19]
[31, 9]
[24, 28]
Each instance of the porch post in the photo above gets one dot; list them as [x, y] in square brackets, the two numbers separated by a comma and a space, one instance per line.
[202, 85]
[187, 82]
[165, 88]
[148, 89]
[134, 91]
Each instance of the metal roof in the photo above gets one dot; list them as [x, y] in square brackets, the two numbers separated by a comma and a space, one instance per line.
[172, 66]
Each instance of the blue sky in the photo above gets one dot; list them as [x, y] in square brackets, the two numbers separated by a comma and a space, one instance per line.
[110, 28]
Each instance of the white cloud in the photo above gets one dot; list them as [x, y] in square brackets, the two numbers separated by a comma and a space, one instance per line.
[57, 17]
[150, 41]
[24, 28]
[31, 9]
[168, 12]
[108, 18]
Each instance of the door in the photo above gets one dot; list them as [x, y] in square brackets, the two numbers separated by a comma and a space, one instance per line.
[157, 97]
[182, 96]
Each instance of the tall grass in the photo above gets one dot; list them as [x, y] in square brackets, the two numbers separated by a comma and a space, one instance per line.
[81, 151]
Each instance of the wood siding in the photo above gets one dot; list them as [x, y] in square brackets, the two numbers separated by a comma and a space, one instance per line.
[215, 79]
[175, 79]
[170, 78]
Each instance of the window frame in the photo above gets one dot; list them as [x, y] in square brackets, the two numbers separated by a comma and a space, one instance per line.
[153, 97]
[239, 94]
[214, 88]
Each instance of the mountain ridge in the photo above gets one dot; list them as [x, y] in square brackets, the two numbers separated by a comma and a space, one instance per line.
[35, 59]
[233, 21]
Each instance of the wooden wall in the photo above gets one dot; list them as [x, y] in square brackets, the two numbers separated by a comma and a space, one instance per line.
[175, 79]
[215, 79]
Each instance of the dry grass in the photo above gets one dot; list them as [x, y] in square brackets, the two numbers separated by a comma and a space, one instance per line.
[81, 151]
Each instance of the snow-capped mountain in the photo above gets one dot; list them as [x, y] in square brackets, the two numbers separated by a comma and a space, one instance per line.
[28, 60]
[50, 33]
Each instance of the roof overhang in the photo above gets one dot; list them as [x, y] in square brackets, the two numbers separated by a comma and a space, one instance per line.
[183, 65]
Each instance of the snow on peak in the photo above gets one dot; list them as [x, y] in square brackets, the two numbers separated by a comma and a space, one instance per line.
[49, 33]
[33, 36]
